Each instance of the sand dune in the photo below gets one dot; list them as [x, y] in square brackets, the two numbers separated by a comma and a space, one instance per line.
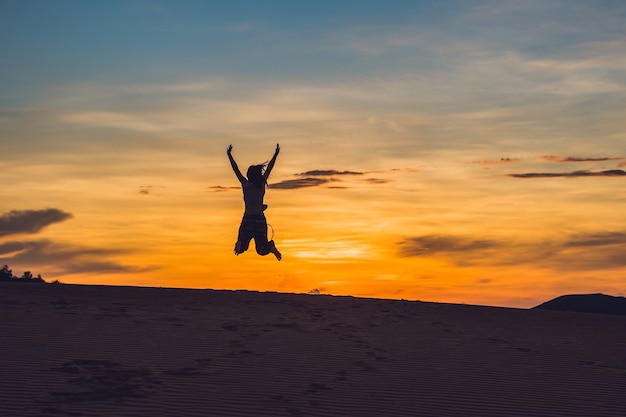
[587, 303]
[69, 350]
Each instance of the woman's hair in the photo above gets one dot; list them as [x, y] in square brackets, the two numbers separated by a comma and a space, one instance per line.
[255, 175]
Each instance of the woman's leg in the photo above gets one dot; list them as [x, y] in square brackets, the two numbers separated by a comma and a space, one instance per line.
[275, 251]
[244, 237]
[263, 246]
[241, 246]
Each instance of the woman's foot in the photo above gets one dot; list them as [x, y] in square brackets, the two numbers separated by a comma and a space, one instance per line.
[238, 248]
[277, 254]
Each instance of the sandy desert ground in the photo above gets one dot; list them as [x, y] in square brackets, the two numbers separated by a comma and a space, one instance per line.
[70, 350]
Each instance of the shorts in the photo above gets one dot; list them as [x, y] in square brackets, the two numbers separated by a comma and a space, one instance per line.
[253, 226]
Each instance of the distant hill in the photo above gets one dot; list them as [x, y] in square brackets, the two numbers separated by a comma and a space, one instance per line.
[587, 303]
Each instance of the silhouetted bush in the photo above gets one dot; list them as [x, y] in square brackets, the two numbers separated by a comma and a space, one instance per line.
[6, 275]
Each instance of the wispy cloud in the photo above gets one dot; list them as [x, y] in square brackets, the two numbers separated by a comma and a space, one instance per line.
[300, 183]
[574, 174]
[437, 244]
[94, 266]
[555, 158]
[312, 178]
[149, 189]
[597, 239]
[589, 251]
[496, 161]
[377, 181]
[30, 221]
[68, 259]
[145, 189]
[579, 251]
[318, 177]
[220, 188]
[327, 172]
[7, 248]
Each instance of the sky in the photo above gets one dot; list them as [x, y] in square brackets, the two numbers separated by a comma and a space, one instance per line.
[459, 151]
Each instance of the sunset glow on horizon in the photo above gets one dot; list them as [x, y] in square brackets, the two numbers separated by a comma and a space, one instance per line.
[469, 153]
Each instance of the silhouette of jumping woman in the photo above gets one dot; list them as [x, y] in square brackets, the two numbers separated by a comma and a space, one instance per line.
[253, 223]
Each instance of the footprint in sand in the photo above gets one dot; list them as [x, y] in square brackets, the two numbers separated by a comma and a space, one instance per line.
[97, 380]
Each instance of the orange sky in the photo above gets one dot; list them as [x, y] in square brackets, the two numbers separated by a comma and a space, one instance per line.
[459, 233]
[473, 154]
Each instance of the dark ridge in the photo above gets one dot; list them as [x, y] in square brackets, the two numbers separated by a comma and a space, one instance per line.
[587, 303]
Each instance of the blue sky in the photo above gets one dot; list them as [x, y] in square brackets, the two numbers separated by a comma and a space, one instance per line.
[56, 41]
[469, 123]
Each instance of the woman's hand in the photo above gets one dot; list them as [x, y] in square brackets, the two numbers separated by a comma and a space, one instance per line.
[277, 148]
[230, 149]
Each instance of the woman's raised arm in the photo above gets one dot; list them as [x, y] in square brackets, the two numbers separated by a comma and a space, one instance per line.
[270, 165]
[233, 164]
